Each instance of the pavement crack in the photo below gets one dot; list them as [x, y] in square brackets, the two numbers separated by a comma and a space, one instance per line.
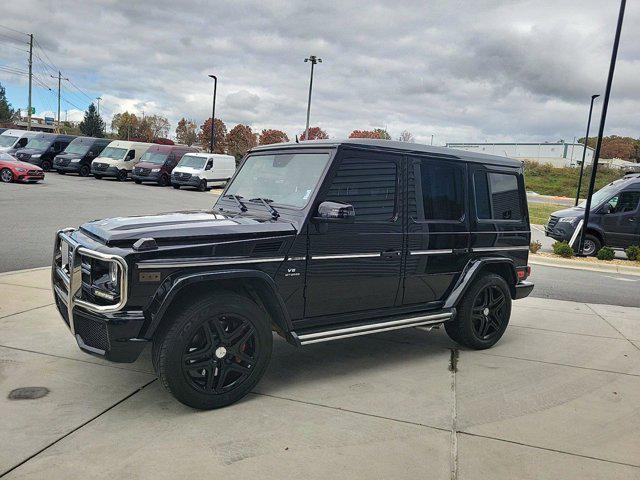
[612, 326]
[2, 474]
[453, 368]
[27, 310]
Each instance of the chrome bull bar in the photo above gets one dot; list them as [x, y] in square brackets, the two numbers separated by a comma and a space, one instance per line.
[66, 275]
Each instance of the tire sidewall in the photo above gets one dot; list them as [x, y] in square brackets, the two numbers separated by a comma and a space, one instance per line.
[596, 245]
[2, 172]
[84, 171]
[174, 341]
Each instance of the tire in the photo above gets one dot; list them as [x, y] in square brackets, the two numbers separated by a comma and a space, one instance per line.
[122, 175]
[177, 187]
[60, 172]
[98, 177]
[84, 171]
[163, 181]
[483, 313]
[230, 338]
[46, 165]
[138, 182]
[6, 175]
[202, 186]
[591, 245]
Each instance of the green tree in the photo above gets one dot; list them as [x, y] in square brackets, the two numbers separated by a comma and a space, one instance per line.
[126, 125]
[186, 132]
[6, 112]
[92, 125]
[382, 134]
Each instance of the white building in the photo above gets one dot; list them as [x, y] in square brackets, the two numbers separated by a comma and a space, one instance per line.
[557, 154]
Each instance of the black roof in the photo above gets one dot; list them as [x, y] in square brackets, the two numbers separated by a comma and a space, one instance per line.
[403, 147]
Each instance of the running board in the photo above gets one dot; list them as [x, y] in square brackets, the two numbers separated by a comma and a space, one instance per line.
[354, 331]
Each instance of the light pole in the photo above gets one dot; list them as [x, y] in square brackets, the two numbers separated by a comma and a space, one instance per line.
[603, 118]
[584, 149]
[313, 59]
[213, 114]
[432, 139]
[98, 99]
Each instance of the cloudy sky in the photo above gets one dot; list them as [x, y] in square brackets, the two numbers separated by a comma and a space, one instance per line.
[472, 70]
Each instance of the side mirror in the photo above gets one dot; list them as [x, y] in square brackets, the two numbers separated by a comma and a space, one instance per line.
[335, 212]
[131, 155]
[209, 166]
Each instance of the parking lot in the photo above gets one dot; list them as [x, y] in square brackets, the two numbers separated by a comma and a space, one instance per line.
[32, 213]
[558, 397]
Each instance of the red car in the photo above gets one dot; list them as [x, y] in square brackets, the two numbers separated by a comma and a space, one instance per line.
[12, 170]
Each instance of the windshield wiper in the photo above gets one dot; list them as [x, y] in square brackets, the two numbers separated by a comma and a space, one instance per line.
[237, 198]
[265, 202]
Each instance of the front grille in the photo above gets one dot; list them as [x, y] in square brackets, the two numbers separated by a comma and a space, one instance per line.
[552, 222]
[62, 162]
[182, 176]
[94, 334]
[100, 166]
[34, 172]
[23, 156]
[143, 172]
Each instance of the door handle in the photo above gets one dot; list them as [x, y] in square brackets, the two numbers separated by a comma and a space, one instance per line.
[390, 255]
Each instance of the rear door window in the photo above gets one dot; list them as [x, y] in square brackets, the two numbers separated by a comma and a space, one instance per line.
[497, 196]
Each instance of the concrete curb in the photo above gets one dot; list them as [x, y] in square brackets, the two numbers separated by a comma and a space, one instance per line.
[578, 265]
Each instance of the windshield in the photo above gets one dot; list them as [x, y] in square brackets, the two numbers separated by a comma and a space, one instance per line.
[7, 140]
[287, 179]
[114, 152]
[192, 161]
[154, 157]
[601, 196]
[77, 147]
[39, 143]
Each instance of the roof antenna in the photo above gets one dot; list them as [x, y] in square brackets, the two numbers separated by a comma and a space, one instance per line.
[297, 141]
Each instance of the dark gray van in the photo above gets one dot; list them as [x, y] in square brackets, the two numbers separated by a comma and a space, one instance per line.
[614, 220]
[41, 149]
[79, 154]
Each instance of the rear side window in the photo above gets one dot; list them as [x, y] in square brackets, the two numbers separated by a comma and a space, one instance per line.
[497, 196]
[439, 191]
[368, 185]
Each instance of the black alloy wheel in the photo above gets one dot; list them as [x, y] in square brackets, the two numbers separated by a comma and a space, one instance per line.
[6, 175]
[214, 352]
[202, 186]
[85, 170]
[482, 314]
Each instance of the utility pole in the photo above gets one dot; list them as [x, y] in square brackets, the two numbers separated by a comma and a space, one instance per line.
[603, 118]
[30, 79]
[584, 149]
[59, 77]
[313, 59]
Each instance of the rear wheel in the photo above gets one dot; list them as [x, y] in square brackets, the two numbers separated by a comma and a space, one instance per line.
[98, 177]
[483, 313]
[214, 352]
[122, 175]
[591, 245]
[202, 186]
[60, 172]
[177, 187]
[6, 175]
[85, 171]
[138, 182]
[163, 181]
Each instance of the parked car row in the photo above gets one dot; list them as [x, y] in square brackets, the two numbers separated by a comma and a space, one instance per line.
[176, 165]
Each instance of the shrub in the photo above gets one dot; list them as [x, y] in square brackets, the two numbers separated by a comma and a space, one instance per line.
[606, 253]
[633, 252]
[534, 247]
[563, 249]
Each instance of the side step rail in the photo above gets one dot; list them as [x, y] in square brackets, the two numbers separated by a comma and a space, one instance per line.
[346, 332]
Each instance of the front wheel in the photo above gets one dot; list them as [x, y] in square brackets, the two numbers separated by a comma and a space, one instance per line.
[122, 175]
[163, 181]
[213, 353]
[6, 175]
[483, 314]
[98, 177]
[177, 187]
[591, 245]
[46, 165]
[60, 172]
[202, 186]
[85, 171]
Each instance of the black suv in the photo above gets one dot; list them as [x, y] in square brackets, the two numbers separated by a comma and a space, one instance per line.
[614, 220]
[317, 241]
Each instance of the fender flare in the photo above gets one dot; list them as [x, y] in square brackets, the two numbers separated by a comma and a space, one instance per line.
[469, 274]
[169, 290]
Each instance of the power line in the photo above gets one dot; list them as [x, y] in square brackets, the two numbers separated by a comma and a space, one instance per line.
[80, 90]
[14, 30]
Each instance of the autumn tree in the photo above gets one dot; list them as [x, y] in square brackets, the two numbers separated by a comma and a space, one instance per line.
[269, 136]
[126, 125]
[315, 133]
[382, 134]
[406, 136]
[378, 133]
[204, 136]
[158, 126]
[240, 139]
[92, 124]
[186, 132]
[614, 146]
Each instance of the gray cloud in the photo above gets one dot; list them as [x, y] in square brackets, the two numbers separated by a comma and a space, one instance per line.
[464, 70]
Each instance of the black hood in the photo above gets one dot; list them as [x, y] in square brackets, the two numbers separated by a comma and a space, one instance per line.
[184, 227]
[29, 151]
[570, 212]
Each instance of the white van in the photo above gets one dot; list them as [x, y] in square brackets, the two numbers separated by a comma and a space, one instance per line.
[118, 159]
[12, 140]
[202, 170]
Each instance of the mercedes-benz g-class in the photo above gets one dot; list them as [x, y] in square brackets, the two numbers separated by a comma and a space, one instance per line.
[317, 241]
